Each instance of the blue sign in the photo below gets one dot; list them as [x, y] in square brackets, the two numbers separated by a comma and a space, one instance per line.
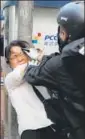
[50, 40]
[54, 3]
[51, 37]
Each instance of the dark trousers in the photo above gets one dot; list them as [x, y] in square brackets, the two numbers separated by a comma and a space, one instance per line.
[44, 133]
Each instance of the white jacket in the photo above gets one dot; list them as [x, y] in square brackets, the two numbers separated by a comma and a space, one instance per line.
[31, 114]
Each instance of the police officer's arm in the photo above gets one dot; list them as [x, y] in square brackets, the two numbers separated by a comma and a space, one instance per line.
[43, 74]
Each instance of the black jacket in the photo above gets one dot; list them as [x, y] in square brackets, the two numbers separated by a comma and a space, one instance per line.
[65, 73]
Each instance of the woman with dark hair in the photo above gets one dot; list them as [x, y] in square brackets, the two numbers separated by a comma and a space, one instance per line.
[31, 115]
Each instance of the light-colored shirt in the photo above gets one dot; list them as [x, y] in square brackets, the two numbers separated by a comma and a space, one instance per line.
[31, 114]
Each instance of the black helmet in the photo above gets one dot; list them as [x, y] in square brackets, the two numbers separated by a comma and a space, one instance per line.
[71, 17]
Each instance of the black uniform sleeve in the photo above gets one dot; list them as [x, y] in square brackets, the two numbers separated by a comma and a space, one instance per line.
[43, 74]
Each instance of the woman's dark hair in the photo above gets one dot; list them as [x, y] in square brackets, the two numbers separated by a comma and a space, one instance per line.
[20, 43]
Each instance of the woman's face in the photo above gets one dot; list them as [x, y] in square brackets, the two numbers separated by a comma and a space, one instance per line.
[17, 57]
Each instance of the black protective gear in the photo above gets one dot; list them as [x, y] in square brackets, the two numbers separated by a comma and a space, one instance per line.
[71, 18]
[66, 74]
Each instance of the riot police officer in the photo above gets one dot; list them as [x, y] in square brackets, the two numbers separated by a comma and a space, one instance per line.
[65, 72]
